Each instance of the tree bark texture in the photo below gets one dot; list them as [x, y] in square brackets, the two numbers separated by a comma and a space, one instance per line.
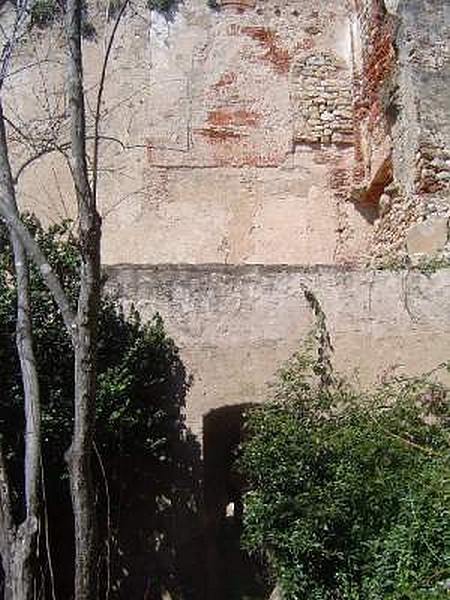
[81, 451]
[22, 539]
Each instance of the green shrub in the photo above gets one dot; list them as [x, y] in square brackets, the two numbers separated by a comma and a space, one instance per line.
[349, 492]
[141, 382]
[43, 12]
[141, 441]
[166, 7]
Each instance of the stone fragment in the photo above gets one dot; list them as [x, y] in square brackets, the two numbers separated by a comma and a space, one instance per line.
[385, 204]
[427, 237]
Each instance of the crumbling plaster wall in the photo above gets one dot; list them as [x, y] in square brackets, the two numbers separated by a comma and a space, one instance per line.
[403, 109]
[235, 325]
[240, 136]
[230, 133]
[260, 132]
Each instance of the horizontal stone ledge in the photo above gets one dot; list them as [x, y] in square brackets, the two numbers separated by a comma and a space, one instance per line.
[257, 268]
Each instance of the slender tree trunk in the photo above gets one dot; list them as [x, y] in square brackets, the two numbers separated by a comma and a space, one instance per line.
[7, 529]
[23, 538]
[81, 451]
[82, 329]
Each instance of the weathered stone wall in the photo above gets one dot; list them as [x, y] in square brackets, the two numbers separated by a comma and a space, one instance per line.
[239, 135]
[235, 325]
[255, 137]
[257, 132]
[229, 133]
[404, 130]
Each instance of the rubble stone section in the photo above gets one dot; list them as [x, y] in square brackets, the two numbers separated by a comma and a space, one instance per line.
[322, 100]
[404, 78]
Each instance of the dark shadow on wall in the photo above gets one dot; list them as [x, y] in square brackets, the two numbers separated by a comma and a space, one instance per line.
[160, 533]
[152, 534]
[158, 517]
[232, 573]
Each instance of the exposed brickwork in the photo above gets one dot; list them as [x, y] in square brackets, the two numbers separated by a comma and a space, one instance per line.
[273, 51]
[372, 77]
[416, 87]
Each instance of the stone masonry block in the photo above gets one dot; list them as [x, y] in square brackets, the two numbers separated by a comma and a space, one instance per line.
[428, 237]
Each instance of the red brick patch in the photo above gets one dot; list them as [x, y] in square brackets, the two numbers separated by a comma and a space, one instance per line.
[216, 134]
[239, 117]
[275, 54]
[225, 80]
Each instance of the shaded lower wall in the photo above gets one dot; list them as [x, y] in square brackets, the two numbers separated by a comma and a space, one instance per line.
[236, 324]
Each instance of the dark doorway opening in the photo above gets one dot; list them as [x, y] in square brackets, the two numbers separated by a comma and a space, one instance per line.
[232, 573]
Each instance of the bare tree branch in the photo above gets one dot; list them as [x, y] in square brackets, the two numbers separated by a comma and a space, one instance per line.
[10, 43]
[101, 88]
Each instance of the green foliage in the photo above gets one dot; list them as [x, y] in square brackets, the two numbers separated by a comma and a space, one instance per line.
[114, 7]
[349, 492]
[429, 266]
[140, 378]
[426, 265]
[394, 263]
[166, 7]
[146, 462]
[43, 12]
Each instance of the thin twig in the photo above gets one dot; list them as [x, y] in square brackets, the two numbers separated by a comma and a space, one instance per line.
[100, 96]
[47, 534]
[108, 520]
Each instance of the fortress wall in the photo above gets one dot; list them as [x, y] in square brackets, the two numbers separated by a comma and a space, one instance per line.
[229, 133]
[424, 56]
[239, 135]
[236, 325]
[403, 108]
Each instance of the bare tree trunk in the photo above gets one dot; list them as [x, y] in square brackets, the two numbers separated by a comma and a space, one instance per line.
[82, 328]
[6, 526]
[81, 451]
[23, 539]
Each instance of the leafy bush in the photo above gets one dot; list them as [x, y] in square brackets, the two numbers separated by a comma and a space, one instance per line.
[43, 12]
[349, 492]
[137, 361]
[166, 7]
[145, 450]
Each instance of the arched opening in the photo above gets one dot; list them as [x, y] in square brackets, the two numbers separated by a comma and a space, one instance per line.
[232, 573]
